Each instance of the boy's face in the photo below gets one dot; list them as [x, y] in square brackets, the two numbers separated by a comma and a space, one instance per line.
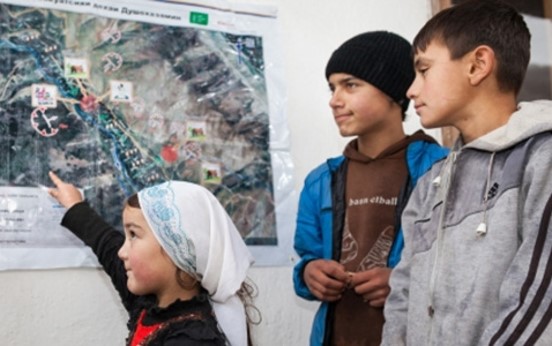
[441, 87]
[149, 269]
[358, 107]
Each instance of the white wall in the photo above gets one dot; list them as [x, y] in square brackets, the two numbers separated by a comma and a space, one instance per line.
[79, 307]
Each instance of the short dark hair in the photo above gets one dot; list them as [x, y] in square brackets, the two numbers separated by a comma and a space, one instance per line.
[463, 27]
[133, 201]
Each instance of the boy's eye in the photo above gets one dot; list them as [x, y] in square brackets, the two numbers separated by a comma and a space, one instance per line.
[423, 71]
[131, 234]
[351, 85]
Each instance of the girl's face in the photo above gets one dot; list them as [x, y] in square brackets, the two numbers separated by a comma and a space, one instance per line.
[149, 268]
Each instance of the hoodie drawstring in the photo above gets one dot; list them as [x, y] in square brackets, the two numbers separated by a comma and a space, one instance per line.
[482, 228]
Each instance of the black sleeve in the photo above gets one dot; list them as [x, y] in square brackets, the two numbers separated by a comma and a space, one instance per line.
[194, 333]
[104, 240]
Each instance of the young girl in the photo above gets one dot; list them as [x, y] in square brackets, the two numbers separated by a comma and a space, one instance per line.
[178, 267]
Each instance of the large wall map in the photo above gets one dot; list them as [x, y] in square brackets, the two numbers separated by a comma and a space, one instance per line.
[114, 105]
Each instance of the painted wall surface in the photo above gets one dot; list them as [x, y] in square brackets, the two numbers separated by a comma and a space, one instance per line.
[79, 307]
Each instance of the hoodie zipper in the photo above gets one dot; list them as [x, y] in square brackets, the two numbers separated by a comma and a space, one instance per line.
[447, 175]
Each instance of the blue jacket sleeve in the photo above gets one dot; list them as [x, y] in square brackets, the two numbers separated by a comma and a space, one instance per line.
[308, 241]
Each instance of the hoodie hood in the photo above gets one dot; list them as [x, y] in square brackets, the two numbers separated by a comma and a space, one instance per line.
[528, 120]
[352, 153]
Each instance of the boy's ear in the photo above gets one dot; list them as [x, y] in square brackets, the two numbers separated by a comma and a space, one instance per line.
[482, 64]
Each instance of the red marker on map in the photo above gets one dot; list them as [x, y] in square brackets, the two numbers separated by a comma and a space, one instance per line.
[169, 154]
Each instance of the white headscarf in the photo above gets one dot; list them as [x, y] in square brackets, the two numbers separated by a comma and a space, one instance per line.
[201, 239]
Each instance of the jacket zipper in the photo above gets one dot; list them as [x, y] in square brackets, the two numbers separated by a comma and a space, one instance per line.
[449, 168]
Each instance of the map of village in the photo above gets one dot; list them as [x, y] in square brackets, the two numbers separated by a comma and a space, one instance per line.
[113, 106]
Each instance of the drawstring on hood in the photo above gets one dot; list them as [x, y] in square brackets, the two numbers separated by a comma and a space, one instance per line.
[482, 228]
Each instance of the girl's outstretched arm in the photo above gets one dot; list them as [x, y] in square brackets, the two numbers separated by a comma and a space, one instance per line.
[90, 227]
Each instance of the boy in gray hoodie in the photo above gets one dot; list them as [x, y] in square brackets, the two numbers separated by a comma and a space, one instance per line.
[476, 268]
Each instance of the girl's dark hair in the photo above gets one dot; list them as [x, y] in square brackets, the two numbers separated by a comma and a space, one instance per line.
[133, 201]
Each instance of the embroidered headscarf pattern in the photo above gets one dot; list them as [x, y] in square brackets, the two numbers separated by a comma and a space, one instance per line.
[158, 203]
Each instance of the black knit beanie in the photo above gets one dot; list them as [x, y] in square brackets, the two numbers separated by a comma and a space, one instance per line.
[380, 58]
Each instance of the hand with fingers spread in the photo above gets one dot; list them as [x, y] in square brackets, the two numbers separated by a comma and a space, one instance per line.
[372, 285]
[65, 193]
[326, 279]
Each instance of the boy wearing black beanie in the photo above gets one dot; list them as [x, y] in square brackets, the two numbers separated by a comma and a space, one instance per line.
[348, 230]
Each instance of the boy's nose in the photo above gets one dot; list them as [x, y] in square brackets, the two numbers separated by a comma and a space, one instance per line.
[412, 91]
[335, 100]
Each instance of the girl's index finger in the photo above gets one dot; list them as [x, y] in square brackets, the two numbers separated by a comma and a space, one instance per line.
[55, 179]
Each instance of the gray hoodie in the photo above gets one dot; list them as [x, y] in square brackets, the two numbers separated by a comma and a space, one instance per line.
[477, 265]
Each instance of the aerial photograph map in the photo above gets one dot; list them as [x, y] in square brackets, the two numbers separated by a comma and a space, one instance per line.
[114, 105]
